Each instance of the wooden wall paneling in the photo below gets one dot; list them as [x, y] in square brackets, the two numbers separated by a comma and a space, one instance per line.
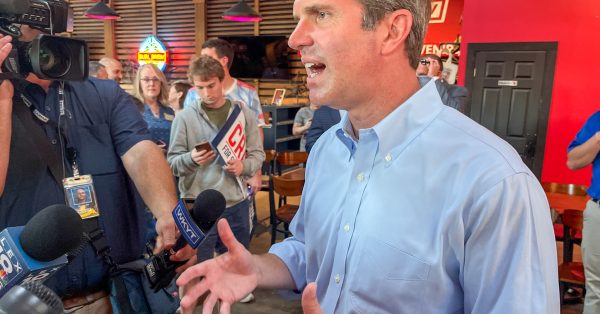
[277, 21]
[277, 17]
[200, 24]
[90, 30]
[135, 24]
[176, 29]
[217, 26]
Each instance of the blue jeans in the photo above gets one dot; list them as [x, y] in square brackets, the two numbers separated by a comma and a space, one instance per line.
[238, 217]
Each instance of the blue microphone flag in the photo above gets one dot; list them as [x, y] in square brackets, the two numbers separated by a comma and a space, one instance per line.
[186, 225]
[17, 267]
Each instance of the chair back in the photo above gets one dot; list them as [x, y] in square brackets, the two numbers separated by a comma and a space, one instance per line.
[287, 187]
[290, 159]
[269, 163]
[564, 188]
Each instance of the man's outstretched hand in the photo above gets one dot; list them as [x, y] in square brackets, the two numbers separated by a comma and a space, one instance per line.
[226, 278]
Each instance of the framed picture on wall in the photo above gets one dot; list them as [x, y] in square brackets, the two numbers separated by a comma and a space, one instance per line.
[278, 96]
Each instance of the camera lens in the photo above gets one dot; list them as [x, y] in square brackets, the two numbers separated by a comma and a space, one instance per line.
[52, 58]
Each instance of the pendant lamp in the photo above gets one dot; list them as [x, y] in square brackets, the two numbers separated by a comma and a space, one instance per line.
[101, 11]
[241, 12]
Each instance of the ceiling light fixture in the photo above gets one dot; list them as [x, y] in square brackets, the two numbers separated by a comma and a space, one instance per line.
[241, 12]
[101, 11]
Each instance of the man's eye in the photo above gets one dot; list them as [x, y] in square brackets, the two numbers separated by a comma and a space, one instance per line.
[321, 15]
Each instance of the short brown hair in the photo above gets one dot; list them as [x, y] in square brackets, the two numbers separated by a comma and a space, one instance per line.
[181, 87]
[222, 48]
[375, 10]
[206, 68]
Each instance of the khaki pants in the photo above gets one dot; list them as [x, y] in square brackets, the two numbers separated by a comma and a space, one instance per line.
[590, 250]
[100, 306]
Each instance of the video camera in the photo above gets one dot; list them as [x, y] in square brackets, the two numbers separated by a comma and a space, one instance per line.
[48, 57]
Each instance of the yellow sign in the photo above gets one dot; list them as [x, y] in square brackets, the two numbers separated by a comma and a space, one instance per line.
[153, 51]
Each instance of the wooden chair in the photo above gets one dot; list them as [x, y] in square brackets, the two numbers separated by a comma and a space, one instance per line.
[284, 212]
[569, 189]
[570, 273]
[289, 159]
[267, 171]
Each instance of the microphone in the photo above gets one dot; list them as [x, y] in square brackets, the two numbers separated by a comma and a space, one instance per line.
[31, 298]
[208, 207]
[35, 251]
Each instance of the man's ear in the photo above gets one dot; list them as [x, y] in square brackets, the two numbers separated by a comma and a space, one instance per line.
[397, 26]
[224, 62]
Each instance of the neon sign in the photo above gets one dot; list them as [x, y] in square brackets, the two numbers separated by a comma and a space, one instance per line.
[153, 51]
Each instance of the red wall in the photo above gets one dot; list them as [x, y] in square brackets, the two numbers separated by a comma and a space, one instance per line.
[575, 25]
[446, 32]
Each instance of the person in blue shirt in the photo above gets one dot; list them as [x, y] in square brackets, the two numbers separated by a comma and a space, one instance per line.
[150, 86]
[113, 146]
[408, 205]
[323, 118]
[584, 151]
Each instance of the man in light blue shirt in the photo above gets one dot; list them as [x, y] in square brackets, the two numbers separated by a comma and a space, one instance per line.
[408, 206]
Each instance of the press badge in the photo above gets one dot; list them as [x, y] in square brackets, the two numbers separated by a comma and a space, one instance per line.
[81, 196]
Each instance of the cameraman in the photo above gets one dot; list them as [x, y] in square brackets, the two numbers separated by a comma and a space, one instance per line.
[112, 145]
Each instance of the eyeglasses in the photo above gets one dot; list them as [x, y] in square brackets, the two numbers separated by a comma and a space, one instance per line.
[149, 80]
[424, 62]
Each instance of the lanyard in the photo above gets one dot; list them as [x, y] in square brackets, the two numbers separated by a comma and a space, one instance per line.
[70, 151]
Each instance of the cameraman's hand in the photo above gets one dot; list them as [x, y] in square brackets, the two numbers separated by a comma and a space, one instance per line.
[6, 87]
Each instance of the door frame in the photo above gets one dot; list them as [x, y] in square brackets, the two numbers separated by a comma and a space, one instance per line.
[551, 49]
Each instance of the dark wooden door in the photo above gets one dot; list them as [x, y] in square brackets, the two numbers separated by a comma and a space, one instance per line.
[510, 95]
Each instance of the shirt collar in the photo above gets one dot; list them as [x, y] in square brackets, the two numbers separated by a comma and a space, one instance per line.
[402, 125]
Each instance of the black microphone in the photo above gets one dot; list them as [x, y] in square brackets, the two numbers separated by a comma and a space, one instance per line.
[208, 207]
[52, 232]
[35, 251]
[31, 298]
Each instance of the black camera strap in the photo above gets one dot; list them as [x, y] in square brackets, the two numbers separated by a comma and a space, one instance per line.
[92, 226]
[39, 137]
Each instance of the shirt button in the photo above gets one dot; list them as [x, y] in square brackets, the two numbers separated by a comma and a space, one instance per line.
[388, 157]
[360, 177]
[347, 227]
[53, 142]
[338, 278]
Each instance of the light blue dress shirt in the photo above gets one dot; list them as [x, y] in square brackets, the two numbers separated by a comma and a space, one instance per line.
[427, 213]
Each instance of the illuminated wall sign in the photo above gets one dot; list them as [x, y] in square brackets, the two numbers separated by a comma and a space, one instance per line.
[153, 51]
[438, 11]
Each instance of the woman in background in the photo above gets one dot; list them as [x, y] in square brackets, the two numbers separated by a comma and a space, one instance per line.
[177, 94]
[150, 86]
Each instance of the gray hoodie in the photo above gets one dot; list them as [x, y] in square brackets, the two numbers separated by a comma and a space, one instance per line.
[191, 127]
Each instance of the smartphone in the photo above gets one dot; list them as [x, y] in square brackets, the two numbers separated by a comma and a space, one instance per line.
[204, 146]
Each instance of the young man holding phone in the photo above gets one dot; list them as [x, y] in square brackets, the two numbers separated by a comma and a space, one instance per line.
[198, 164]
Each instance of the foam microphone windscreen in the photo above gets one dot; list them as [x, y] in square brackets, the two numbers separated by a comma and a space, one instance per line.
[14, 6]
[46, 295]
[31, 298]
[52, 232]
[208, 207]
